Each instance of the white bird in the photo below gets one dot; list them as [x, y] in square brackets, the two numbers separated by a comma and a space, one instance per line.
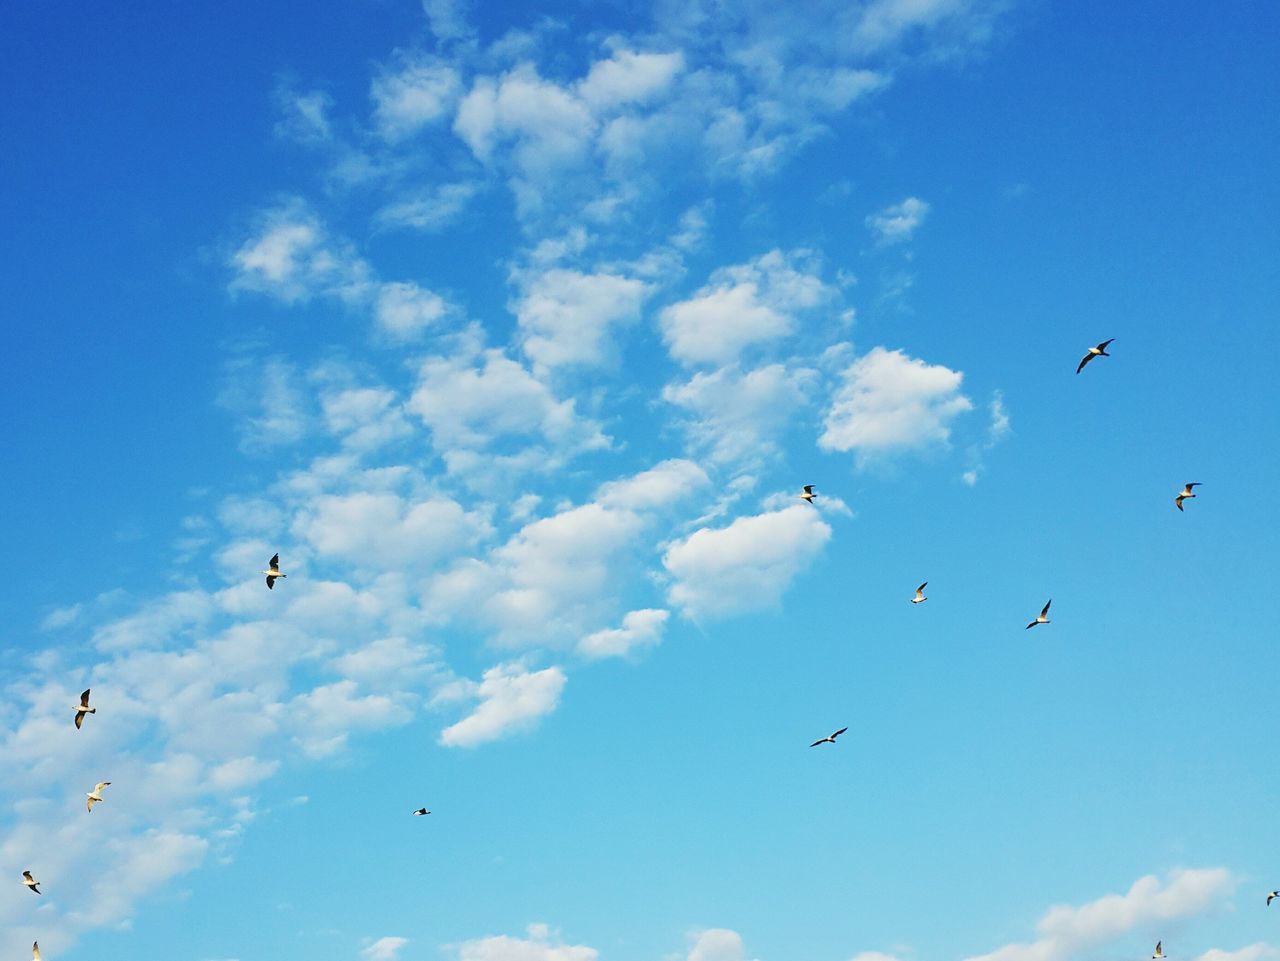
[808, 494]
[920, 598]
[83, 708]
[1099, 351]
[1043, 618]
[273, 571]
[1186, 492]
[1159, 952]
[31, 882]
[421, 811]
[35, 951]
[1272, 896]
[96, 796]
[830, 739]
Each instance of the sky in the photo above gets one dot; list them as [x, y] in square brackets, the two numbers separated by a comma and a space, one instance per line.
[516, 330]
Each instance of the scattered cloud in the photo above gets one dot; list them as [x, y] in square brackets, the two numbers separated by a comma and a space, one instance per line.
[717, 944]
[540, 945]
[567, 316]
[384, 949]
[898, 222]
[413, 95]
[639, 629]
[512, 699]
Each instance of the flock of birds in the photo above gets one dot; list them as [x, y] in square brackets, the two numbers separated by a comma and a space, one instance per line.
[273, 573]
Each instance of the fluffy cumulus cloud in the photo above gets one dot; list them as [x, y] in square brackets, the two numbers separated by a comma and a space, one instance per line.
[898, 222]
[567, 316]
[417, 94]
[745, 566]
[1253, 952]
[717, 944]
[404, 310]
[888, 402]
[510, 699]
[292, 257]
[741, 306]
[1066, 931]
[639, 629]
[541, 944]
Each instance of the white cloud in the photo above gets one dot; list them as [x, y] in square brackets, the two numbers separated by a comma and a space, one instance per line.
[740, 306]
[629, 77]
[405, 310]
[890, 402]
[639, 629]
[61, 617]
[431, 209]
[292, 257]
[566, 316]
[414, 96]
[303, 116]
[366, 418]
[746, 566]
[1065, 931]
[384, 949]
[897, 222]
[540, 945]
[511, 700]
[717, 944]
[447, 18]
[874, 956]
[1253, 952]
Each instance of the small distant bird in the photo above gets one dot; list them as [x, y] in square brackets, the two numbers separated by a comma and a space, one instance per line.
[273, 571]
[1043, 618]
[1099, 351]
[96, 796]
[920, 598]
[421, 811]
[1159, 952]
[830, 739]
[35, 951]
[31, 882]
[1272, 896]
[808, 494]
[1186, 492]
[83, 708]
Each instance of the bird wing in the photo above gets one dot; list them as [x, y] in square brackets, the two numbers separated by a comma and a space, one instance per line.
[84, 698]
[35, 950]
[1177, 502]
[808, 488]
[1032, 624]
[1195, 484]
[271, 583]
[922, 587]
[274, 563]
[27, 875]
[1159, 953]
[821, 741]
[97, 788]
[838, 733]
[1087, 357]
[1045, 610]
[79, 720]
[91, 803]
[1103, 345]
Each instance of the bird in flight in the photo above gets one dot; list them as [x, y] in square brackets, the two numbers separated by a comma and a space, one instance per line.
[920, 598]
[829, 739]
[1185, 493]
[1272, 896]
[83, 708]
[273, 571]
[96, 796]
[1043, 618]
[808, 494]
[1159, 952]
[35, 951]
[421, 811]
[31, 882]
[1099, 351]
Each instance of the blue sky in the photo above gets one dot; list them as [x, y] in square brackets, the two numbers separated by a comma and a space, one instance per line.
[516, 330]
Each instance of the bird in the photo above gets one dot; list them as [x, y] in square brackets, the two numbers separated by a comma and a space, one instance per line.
[1099, 351]
[31, 882]
[1186, 492]
[831, 739]
[421, 811]
[808, 494]
[97, 793]
[35, 951]
[1272, 896]
[920, 598]
[1043, 618]
[273, 571]
[83, 708]
[1159, 952]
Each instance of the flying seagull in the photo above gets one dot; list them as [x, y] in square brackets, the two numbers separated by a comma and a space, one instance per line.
[421, 811]
[831, 739]
[1186, 492]
[920, 598]
[1099, 351]
[97, 793]
[1043, 618]
[83, 708]
[1159, 952]
[808, 494]
[273, 571]
[31, 882]
[1272, 896]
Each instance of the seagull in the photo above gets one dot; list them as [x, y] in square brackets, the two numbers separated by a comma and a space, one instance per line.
[1043, 618]
[808, 494]
[421, 811]
[1099, 351]
[1272, 896]
[273, 571]
[31, 882]
[83, 708]
[1186, 492]
[830, 739]
[35, 951]
[1159, 952]
[97, 793]
[920, 598]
